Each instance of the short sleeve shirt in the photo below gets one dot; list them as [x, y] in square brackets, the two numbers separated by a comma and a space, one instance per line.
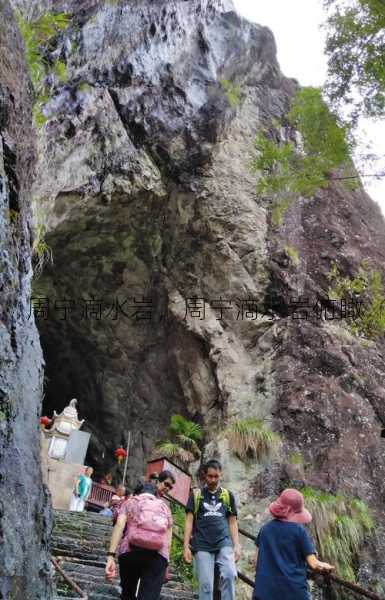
[124, 545]
[84, 486]
[281, 566]
[211, 528]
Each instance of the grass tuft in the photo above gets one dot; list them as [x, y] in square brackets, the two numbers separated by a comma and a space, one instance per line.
[340, 525]
[250, 439]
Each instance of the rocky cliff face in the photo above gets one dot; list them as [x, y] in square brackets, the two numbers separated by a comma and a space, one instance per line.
[24, 516]
[145, 189]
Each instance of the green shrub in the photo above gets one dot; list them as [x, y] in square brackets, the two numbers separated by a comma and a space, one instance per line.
[339, 526]
[326, 145]
[232, 92]
[279, 210]
[41, 252]
[60, 70]
[38, 35]
[251, 439]
[367, 286]
[293, 254]
[296, 458]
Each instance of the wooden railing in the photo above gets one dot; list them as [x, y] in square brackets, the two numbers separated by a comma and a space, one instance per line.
[69, 579]
[100, 495]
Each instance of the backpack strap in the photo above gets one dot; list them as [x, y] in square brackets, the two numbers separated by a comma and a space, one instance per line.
[197, 494]
[224, 497]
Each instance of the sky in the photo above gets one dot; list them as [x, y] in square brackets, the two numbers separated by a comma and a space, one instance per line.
[300, 45]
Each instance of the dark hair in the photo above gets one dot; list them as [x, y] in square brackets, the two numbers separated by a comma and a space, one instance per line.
[212, 464]
[138, 489]
[166, 475]
[153, 477]
[149, 488]
[145, 488]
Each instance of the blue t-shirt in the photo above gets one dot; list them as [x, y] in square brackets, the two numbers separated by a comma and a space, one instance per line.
[211, 525]
[281, 565]
[84, 486]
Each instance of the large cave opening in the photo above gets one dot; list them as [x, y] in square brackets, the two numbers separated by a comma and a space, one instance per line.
[119, 389]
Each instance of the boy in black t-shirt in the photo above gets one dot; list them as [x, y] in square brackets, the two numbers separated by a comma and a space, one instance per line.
[211, 518]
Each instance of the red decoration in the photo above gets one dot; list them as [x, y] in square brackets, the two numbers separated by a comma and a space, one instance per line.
[44, 421]
[120, 454]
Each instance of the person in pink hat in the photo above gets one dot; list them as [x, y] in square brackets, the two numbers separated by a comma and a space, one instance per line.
[284, 550]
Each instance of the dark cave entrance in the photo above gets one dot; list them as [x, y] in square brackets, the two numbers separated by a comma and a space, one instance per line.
[74, 369]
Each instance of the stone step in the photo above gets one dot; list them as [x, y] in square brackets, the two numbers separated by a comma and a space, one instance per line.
[89, 557]
[81, 530]
[80, 568]
[92, 579]
[89, 586]
[100, 587]
[80, 541]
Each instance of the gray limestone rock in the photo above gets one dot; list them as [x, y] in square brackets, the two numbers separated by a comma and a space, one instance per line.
[25, 518]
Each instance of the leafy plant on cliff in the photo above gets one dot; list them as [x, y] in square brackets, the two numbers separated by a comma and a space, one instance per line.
[232, 92]
[41, 252]
[293, 254]
[296, 458]
[304, 166]
[251, 439]
[37, 36]
[366, 288]
[355, 46]
[339, 526]
[182, 442]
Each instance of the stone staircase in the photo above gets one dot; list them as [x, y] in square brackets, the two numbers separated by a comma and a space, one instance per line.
[79, 543]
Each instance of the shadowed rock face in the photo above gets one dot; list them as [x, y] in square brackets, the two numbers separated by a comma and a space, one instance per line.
[145, 188]
[24, 516]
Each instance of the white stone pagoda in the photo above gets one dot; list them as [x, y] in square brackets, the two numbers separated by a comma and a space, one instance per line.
[61, 429]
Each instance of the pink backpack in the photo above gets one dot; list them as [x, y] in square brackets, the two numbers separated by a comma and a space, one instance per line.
[148, 522]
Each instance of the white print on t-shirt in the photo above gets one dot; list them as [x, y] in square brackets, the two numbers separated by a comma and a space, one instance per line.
[212, 510]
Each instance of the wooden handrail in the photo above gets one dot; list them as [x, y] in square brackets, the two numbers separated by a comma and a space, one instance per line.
[69, 580]
[352, 586]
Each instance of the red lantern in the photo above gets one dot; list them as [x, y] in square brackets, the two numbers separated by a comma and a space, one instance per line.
[44, 421]
[120, 454]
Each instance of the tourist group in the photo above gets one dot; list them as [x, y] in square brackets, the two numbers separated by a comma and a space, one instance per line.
[141, 539]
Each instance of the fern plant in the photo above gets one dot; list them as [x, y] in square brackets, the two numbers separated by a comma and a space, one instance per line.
[250, 439]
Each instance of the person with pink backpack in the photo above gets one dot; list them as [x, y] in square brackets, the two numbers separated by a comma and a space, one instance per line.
[142, 539]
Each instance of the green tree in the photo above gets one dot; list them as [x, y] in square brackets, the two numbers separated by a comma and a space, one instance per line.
[182, 442]
[355, 46]
[301, 167]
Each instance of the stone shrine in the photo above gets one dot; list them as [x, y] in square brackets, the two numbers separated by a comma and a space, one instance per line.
[63, 425]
